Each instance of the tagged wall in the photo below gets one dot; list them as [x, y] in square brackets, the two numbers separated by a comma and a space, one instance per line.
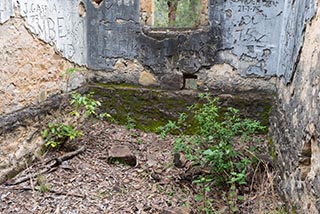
[60, 23]
[248, 35]
[239, 33]
[30, 70]
[97, 34]
[245, 43]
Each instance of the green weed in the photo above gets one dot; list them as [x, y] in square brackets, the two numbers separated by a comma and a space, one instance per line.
[58, 133]
[218, 146]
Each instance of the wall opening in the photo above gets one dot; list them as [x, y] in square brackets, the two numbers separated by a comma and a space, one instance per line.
[97, 3]
[174, 13]
[190, 81]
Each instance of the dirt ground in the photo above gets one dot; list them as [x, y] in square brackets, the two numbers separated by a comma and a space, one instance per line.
[88, 183]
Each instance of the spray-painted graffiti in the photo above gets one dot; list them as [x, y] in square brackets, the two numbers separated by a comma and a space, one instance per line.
[253, 26]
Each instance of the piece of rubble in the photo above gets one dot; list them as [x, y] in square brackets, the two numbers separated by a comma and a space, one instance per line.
[179, 160]
[177, 210]
[122, 154]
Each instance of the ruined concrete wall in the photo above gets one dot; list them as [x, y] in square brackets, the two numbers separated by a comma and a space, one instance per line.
[30, 67]
[41, 39]
[295, 124]
[239, 33]
[105, 34]
[30, 73]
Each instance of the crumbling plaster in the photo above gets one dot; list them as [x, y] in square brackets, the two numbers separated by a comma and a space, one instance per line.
[295, 125]
[30, 70]
[245, 43]
[97, 36]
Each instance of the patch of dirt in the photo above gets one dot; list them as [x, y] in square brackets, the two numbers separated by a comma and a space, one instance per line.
[88, 183]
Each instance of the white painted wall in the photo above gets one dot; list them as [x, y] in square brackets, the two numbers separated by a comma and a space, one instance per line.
[6, 10]
[55, 22]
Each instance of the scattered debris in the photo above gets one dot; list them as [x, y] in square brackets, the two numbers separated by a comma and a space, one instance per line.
[83, 181]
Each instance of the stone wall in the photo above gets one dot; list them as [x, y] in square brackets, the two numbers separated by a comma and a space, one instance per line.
[30, 69]
[295, 124]
[41, 39]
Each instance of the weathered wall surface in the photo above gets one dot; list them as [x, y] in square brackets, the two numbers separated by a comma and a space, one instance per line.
[107, 36]
[30, 70]
[295, 124]
[239, 33]
[60, 23]
[6, 10]
[251, 29]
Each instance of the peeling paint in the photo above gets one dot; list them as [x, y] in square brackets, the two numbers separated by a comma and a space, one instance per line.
[265, 36]
[57, 22]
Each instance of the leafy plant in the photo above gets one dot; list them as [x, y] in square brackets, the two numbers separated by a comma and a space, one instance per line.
[218, 145]
[88, 105]
[172, 126]
[58, 133]
[85, 103]
[131, 123]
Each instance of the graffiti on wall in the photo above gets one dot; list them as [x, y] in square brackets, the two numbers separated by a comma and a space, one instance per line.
[57, 22]
[251, 28]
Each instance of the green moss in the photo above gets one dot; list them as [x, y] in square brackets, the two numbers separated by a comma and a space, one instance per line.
[148, 108]
[151, 108]
[272, 148]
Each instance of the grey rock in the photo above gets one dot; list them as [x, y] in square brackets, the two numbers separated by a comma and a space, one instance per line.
[122, 154]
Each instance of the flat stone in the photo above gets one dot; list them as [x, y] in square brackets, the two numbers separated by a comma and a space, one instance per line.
[177, 210]
[122, 154]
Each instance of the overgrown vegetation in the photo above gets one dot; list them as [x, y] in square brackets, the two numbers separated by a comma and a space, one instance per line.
[58, 133]
[219, 148]
[83, 106]
[177, 13]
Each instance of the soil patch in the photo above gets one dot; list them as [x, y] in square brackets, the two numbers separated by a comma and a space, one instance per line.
[89, 183]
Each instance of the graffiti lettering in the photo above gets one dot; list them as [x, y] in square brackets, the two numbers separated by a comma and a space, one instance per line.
[61, 27]
[125, 2]
[246, 8]
[252, 35]
[265, 3]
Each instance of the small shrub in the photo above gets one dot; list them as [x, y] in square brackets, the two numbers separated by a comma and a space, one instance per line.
[58, 133]
[218, 145]
[84, 103]
[131, 123]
